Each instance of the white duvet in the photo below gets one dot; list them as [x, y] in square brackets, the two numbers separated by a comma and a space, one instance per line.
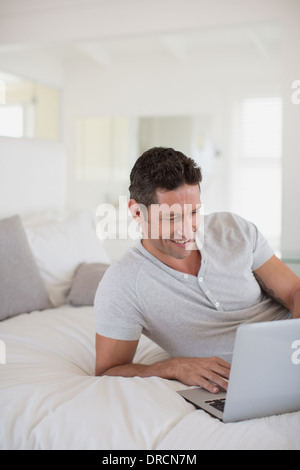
[50, 399]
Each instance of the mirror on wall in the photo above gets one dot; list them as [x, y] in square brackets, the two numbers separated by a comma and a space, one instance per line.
[28, 109]
[106, 147]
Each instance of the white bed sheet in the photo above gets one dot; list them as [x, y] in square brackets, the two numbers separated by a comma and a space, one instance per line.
[49, 398]
[199, 431]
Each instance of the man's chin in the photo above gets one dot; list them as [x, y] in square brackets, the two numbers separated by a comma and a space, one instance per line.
[170, 248]
[181, 250]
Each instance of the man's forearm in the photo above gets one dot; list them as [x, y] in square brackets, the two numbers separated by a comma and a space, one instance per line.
[209, 373]
[296, 305]
[164, 369]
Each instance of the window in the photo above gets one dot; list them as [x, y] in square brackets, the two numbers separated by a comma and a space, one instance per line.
[261, 128]
[257, 188]
[104, 148]
[11, 121]
[28, 109]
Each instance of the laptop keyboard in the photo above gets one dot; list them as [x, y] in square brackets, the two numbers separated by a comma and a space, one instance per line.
[217, 404]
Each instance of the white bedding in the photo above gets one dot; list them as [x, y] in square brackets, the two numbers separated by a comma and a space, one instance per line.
[49, 398]
[199, 431]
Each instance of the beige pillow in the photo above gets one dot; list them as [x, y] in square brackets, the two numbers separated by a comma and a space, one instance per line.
[21, 286]
[85, 283]
[60, 246]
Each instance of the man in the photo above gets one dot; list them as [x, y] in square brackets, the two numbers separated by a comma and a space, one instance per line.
[187, 296]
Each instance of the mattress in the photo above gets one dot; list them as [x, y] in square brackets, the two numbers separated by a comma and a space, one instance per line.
[50, 398]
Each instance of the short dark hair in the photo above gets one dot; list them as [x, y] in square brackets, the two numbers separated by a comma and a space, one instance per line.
[161, 168]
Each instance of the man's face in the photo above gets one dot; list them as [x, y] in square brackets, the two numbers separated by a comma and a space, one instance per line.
[173, 222]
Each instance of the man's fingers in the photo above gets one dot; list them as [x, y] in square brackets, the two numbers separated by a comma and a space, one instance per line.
[220, 367]
[222, 363]
[225, 373]
[217, 380]
[212, 388]
[213, 377]
[225, 364]
[209, 373]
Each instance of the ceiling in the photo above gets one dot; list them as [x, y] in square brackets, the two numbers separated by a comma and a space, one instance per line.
[262, 40]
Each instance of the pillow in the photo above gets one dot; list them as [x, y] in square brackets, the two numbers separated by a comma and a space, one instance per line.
[59, 247]
[21, 286]
[85, 284]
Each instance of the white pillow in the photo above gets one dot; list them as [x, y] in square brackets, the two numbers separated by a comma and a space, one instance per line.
[59, 247]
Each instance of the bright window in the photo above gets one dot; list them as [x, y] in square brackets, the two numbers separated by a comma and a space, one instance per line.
[261, 128]
[257, 188]
[11, 121]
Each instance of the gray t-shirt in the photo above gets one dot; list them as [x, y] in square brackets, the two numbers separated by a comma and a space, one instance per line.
[191, 316]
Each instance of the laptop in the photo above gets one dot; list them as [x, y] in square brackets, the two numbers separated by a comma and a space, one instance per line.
[264, 378]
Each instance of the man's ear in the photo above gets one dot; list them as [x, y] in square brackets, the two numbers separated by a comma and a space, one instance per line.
[139, 212]
[135, 210]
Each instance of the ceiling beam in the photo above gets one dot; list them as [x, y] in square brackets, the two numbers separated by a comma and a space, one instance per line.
[96, 52]
[175, 46]
[258, 43]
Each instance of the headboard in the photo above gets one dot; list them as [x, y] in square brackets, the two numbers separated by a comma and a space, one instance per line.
[32, 176]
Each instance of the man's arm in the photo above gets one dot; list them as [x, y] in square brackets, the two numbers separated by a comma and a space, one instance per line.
[280, 283]
[114, 358]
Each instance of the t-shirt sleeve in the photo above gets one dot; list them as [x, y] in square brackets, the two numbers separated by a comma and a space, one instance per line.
[262, 251]
[117, 308]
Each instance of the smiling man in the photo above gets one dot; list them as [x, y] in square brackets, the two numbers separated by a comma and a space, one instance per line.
[187, 295]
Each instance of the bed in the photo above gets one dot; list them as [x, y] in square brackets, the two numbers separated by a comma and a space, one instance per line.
[50, 398]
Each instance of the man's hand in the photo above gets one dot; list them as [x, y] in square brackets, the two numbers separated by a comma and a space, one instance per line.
[114, 358]
[209, 373]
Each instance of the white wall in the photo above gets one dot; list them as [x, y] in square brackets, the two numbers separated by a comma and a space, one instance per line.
[291, 136]
[160, 86]
[32, 177]
[124, 90]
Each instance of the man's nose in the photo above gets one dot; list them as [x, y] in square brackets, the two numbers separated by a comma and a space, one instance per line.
[185, 229]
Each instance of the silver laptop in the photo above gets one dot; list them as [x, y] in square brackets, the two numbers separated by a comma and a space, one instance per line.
[264, 378]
